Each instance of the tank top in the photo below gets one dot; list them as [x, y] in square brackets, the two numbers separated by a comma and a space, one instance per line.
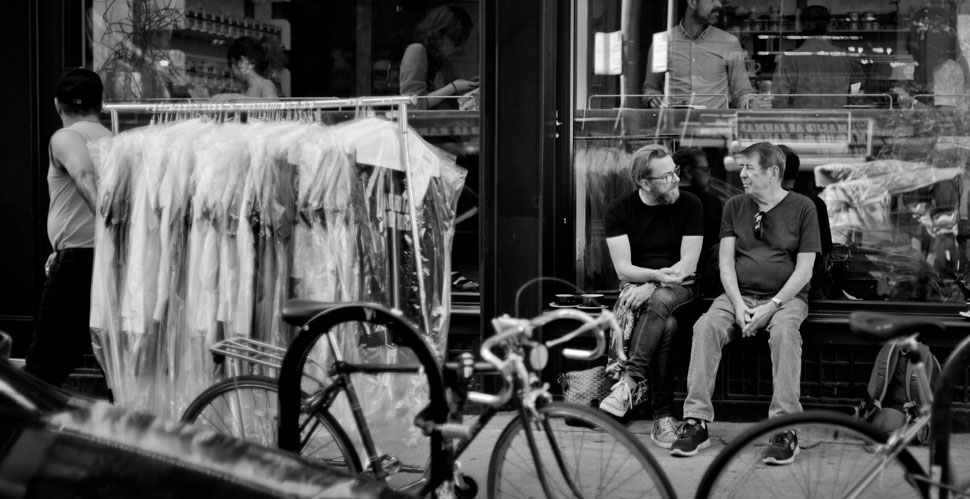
[70, 223]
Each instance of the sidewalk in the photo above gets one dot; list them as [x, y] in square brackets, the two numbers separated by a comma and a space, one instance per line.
[684, 473]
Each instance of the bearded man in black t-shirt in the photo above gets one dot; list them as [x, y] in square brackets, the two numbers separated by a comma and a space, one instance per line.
[654, 235]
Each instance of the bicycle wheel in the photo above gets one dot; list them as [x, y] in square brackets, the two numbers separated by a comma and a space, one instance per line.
[837, 453]
[599, 458]
[247, 407]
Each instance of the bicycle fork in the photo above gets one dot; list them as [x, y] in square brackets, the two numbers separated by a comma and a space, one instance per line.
[529, 413]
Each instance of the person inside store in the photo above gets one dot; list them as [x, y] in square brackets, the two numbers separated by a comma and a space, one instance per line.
[61, 334]
[706, 64]
[820, 287]
[427, 68]
[654, 235]
[258, 65]
[695, 178]
[817, 66]
[769, 238]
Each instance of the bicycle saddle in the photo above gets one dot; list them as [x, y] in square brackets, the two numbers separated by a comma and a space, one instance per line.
[299, 311]
[880, 327]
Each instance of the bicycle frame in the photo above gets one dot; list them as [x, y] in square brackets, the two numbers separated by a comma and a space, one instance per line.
[517, 377]
[934, 412]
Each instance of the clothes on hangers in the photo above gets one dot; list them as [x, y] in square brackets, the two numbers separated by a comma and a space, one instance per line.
[205, 229]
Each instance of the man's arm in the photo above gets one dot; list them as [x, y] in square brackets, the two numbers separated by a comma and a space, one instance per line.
[71, 152]
[653, 85]
[690, 253]
[729, 276]
[619, 247]
[738, 83]
[798, 279]
[780, 83]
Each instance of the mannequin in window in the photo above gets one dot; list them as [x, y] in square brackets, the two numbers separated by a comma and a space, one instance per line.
[426, 64]
[258, 65]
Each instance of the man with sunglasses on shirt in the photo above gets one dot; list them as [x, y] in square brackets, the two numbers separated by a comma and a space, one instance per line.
[654, 235]
[769, 238]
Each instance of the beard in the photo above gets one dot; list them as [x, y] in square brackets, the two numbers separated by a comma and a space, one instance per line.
[669, 197]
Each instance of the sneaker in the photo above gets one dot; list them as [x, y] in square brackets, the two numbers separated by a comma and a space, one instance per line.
[783, 448]
[691, 438]
[664, 432]
[620, 399]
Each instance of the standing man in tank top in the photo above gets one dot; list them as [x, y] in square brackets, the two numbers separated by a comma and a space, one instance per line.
[61, 332]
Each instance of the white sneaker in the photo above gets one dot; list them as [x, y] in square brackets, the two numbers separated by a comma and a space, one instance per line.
[619, 401]
[664, 432]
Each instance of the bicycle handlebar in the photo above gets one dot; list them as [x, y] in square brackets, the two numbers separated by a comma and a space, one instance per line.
[508, 327]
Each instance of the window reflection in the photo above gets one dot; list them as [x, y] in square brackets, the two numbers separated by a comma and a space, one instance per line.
[180, 49]
[890, 86]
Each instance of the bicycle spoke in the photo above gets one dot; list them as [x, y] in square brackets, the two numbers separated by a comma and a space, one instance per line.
[572, 461]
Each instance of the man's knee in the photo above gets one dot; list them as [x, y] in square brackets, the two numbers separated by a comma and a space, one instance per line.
[662, 302]
[785, 334]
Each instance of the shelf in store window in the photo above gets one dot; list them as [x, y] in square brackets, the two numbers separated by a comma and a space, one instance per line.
[831, 32]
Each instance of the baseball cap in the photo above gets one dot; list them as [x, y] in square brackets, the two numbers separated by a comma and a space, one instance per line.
[80, 88]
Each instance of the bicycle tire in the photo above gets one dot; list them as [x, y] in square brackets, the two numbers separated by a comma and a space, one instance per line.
[627, 471]
[440, 467]
[954, 472]
[253, 415]
[836, 451]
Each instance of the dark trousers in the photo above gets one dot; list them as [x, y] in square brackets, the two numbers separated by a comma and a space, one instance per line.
[61, 333]
[652, 342]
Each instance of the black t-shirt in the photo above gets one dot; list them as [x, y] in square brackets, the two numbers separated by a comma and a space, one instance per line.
[790, 227]
[655, 232]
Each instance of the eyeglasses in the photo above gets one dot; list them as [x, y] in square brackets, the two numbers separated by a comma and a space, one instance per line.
[759, 227]
[669, 177]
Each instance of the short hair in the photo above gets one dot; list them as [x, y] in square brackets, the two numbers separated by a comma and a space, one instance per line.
[792, 163]
[768, 155]
[815, 20]
[640, 163]
[687, 157]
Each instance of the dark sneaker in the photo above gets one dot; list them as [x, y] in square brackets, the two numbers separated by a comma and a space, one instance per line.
[783, 448]
[691, 438]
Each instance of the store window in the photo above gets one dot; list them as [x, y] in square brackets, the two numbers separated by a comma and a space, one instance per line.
[871, 97]
[182, 50]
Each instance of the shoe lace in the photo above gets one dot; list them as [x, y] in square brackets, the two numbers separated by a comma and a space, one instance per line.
[667, 425]
[688, 430]
[624, 391]
[783, 439]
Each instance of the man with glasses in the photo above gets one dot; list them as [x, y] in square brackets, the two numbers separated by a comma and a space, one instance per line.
[769, 238]
[654, 235]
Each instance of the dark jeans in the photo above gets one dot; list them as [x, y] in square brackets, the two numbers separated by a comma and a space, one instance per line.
[652, 342]
[62, 334]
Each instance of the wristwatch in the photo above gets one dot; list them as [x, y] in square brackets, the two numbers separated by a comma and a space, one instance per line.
[778, 303]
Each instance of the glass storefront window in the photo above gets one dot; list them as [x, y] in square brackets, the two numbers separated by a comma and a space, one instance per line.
[873, 99]
[177, 50]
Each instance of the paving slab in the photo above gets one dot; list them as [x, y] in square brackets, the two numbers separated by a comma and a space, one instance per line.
[684, 473]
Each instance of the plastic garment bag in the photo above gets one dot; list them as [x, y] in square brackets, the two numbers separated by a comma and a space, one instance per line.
[205, 229]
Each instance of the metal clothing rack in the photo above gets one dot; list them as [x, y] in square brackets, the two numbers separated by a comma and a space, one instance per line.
[400, 102]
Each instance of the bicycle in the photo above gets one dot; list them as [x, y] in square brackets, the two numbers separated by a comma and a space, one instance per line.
[244, 405]
[538, 433]
[842, 456]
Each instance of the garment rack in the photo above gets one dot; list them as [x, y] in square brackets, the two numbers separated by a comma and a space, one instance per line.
[400, 102]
